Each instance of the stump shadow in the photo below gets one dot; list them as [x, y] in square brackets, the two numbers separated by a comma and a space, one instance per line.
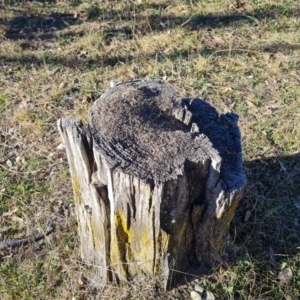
[31, 28]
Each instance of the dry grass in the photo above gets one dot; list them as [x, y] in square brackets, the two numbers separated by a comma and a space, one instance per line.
[56, 58]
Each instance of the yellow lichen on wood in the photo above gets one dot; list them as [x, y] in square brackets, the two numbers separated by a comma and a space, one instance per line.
[121, 224]
[164, 241]
[145, 247]
[76, 187]
[132, 246]
[146, 242]
[119, 239]
[96, 233]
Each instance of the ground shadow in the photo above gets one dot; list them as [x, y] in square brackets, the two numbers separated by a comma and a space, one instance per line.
[268, 216]
[218, 50]
[32, 26]
[242, 18]
[28, 25]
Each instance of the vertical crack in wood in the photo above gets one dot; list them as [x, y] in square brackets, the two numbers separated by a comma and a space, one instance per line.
[133, 199]
[154, 268]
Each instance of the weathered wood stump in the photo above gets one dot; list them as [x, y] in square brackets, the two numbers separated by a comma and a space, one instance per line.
[156, 181]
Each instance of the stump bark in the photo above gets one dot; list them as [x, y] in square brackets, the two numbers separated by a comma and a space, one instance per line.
[156, 182]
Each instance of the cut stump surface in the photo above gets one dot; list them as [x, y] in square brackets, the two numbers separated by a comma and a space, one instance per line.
[156, 181]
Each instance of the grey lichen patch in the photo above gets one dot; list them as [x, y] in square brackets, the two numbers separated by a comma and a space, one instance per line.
[142, 128]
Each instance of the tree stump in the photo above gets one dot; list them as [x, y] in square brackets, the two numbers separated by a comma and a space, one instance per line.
[156, 182]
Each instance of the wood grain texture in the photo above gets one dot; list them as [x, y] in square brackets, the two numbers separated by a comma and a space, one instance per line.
[156, 181]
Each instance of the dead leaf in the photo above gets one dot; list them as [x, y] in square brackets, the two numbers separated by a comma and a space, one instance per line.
[266, 56]
[285, 276]
[252, 106]
[218, 39]
[227, 89]
[82, 281]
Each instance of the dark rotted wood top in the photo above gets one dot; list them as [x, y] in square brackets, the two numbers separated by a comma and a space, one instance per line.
[146, 130]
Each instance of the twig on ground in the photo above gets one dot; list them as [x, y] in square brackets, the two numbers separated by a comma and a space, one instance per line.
[32, 239]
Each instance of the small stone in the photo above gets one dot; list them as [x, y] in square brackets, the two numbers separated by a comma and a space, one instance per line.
[199, 288]
[285, 276]
[195, 296]
[51, 155]
[9, 163]
[61, 147]
[113, 83]
[18, 159]
[208, 296]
